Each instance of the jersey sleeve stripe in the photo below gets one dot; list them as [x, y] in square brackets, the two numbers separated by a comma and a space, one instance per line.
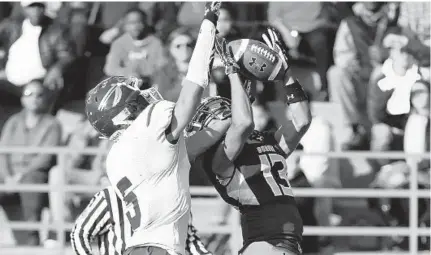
[80, 235]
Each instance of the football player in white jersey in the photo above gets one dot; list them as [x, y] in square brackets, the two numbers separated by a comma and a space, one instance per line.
[148, 165]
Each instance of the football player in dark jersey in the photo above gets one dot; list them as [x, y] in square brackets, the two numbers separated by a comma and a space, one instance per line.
[248, 168]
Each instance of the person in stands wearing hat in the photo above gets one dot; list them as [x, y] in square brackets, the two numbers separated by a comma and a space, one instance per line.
[33, 47]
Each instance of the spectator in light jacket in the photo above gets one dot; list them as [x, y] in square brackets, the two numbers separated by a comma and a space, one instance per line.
[399, 97]
[354, 61]
[137, 52]
[33, 126]
[32, 48]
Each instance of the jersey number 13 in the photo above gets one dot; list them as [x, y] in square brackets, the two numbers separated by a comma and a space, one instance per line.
[274, 170]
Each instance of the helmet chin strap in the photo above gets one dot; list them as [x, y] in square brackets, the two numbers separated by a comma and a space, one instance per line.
[152, 95]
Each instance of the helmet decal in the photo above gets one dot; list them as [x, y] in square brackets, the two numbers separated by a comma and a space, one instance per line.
[115, 102]
[116, 90]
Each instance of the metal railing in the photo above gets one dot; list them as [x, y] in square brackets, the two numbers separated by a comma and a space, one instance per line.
[413, 231]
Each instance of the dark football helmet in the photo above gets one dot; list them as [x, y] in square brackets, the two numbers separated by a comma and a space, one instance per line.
[115, 102]
[211, 108]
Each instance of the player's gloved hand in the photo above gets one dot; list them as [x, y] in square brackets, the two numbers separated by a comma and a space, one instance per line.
[226, 56]
[212, 11]
[275, 41]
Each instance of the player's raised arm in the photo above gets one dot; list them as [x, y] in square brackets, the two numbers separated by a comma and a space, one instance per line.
[242, 120]
[296, 119]
[93, 221]
[197, 75]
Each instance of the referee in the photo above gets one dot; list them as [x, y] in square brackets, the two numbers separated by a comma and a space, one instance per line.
[103, 219]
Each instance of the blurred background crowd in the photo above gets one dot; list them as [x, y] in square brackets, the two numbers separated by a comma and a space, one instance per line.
[365, 66]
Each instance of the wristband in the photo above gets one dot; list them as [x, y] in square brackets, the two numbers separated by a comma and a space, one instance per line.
[231, 70]
[212, 17]
[295, 93]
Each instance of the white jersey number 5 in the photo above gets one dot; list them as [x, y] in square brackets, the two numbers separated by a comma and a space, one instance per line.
[134, 215]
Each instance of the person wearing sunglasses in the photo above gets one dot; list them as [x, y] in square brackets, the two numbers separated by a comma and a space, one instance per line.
[179, 46]
[32, 126]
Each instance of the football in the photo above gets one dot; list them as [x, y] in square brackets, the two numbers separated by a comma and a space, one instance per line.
[256, 60]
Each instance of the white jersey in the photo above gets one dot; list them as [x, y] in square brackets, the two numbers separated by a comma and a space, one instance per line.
[152, 176]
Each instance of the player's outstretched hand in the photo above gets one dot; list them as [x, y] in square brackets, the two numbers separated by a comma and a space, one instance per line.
[225, 55]
[212, 11]
[275, 41]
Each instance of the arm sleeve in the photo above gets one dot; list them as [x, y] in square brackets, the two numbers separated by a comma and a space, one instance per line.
[160, 119]
[52, 138]
[94, 221]
[344, 48]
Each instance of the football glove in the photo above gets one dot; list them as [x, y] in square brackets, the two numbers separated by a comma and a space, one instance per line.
[226, 57]
[212, 11]
[275, 41]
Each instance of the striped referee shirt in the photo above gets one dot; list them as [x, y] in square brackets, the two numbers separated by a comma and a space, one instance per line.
[103, 220]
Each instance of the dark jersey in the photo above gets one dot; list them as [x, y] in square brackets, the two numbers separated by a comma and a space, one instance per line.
[260, 189]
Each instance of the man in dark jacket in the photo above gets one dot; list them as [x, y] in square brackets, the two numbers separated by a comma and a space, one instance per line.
[32, 48]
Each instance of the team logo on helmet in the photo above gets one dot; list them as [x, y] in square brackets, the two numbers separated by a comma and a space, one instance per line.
[114, 90]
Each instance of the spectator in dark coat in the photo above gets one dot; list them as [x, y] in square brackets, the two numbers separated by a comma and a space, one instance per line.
[33, 48]
[30, 127]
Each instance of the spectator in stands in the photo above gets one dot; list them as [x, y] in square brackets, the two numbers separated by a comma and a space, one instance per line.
[180, 48]
[225, 24]
[162, 16]
[137, 52]
[33, 126]
[77, 169]
[86, 40]
[398, 95]
[34, 48]
[303, 23]
[190, 16]
[349, 76]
